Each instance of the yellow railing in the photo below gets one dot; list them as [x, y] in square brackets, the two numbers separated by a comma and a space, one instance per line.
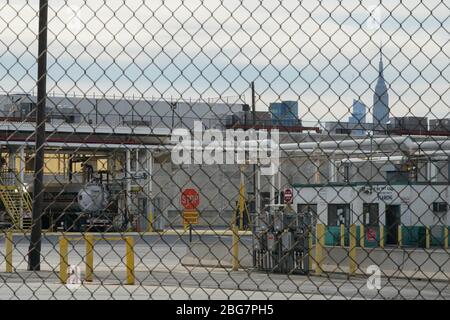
[6, 197]
[16, 201]
[89, 259]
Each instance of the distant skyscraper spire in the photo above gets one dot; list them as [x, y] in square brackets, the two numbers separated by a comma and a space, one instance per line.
[380, 97]
[380, 63]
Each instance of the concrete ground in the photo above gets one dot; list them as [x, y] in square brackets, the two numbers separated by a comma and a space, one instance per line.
[160, 275]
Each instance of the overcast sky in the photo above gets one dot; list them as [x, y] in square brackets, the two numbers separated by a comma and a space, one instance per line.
[321, 53]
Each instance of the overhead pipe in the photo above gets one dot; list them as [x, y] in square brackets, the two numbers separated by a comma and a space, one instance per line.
[342, 144]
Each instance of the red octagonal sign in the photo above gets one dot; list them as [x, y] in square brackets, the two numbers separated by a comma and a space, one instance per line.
[190, 199]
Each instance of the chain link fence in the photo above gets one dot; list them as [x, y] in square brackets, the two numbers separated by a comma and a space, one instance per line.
[224, 150]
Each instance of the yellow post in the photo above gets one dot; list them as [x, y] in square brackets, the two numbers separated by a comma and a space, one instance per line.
[241, 198]
[185, 222]
[381, 236]
[445, 237]
[9, 251]
[342, 234]
[89, 238]
[352, 250]
[320, 244]
[399, 235]
[235, 249]
[150, 221]
[64, 259]
[361, 236]
[427, 237]
[130, 259]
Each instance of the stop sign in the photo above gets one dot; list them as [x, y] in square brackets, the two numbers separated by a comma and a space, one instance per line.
[288, 195]
[190, 199]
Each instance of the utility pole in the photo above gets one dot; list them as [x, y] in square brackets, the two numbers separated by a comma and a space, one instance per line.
[34, 257]
[173, 106]
[254, 165]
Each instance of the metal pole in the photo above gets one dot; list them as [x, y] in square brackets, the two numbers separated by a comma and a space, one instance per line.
[254, 165]
[96, 112]
[353, 265]
[235, 248]
[89, 239]
[63, 259]
[9, 244]
[34, 258]
[173, 106]
[129, 244]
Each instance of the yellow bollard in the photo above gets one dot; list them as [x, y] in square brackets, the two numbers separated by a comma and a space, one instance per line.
[235, 249]
[150, 222]
[89, 238]
[9, 251]
[320, 244]
[445, 237]
[361, 236]
[130, 259]
[185, 222]
[342, 234]
[381, 236]
[64, 259]
[427, 237]
[399, 235]
[352, 250]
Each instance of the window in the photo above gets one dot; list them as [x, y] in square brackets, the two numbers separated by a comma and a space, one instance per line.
[29, 163]
[370, 214]
[338, 214]
[440, 207]
[343, 131]
[308, 210]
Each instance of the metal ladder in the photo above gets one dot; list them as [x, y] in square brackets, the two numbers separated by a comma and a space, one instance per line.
[17, 203]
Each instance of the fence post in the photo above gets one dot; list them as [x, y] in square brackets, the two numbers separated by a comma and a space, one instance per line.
[320, 243]
[352, 250]
[381, 236]
[399, 236]
[427, 237]
[361, 236]
[130, 259]
[342, 234]
[89, 238]
[235, 249]
[9, 251]
[63, 259]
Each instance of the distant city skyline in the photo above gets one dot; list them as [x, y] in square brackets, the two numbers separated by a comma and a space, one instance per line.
[328, 59]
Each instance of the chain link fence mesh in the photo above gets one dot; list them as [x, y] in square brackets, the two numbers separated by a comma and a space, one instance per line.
[226, 150]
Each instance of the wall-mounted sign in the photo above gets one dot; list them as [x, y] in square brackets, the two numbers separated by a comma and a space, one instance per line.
[288, 196]
[371, 234]
[384, 193]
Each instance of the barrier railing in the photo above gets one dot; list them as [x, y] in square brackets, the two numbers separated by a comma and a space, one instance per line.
[317, 245]
[89, 259]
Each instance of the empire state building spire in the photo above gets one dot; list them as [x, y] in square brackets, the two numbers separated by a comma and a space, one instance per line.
[380, 99]
[380, 67]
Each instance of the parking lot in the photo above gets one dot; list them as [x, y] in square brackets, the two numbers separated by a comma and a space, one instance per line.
[160, 275]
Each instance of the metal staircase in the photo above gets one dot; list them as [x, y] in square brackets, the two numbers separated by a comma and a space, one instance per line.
[17, 203]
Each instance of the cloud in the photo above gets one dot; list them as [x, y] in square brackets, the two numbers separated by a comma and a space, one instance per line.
[308, 50]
